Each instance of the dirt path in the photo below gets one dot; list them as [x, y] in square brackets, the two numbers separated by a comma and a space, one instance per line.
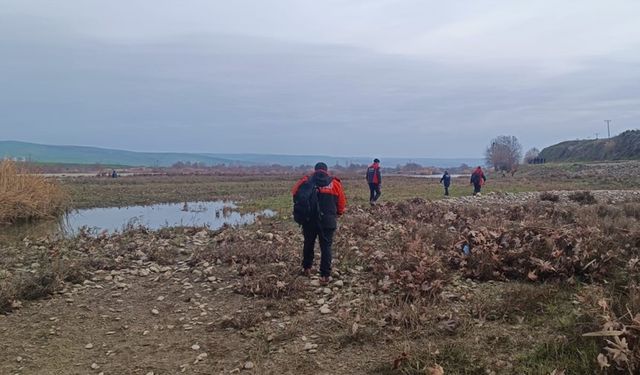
[175, 321]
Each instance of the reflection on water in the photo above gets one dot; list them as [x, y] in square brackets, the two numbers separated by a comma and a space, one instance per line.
[213, 214]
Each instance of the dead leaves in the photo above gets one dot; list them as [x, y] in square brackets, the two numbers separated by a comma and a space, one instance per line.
[620, 335]
[399, 360]
[618, 350]
[413, 268]
[603, 361]
[543, 266]
[449, 325]
[403, 358]
[436, 370]
[354, 328]
[520, 242]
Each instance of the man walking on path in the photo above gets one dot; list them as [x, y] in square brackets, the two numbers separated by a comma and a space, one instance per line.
[319, 200]
[446, 180]
[374, 178]
[478, 179]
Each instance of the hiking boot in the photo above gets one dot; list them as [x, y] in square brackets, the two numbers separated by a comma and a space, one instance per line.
[306, 272]
[324, 280]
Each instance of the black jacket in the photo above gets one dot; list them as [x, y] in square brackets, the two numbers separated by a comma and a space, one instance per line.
[446, 178]
[331, 198]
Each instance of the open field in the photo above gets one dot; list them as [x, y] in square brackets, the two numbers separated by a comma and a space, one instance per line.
[274, 191]
[544, 270]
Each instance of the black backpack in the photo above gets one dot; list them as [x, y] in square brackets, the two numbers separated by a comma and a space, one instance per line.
[371, 171]
[306, 207]
[475, 178]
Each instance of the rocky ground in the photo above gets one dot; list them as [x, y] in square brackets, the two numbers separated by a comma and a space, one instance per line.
[405, 298]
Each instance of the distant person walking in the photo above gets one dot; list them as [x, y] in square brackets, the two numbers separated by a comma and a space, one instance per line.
[477, 179]
[318, 201]
[374, 179]
[446, 181]
[114, 174]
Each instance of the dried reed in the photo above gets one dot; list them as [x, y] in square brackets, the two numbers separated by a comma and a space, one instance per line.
[25, 196]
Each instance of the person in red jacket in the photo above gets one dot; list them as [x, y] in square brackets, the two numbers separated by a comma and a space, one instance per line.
[331, 202]
[374, 179]
[478, 179]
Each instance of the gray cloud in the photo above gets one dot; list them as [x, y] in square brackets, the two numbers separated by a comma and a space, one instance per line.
[211, 91]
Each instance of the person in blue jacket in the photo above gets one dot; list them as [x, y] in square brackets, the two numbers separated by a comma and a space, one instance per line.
[374, 179]
[446, 181]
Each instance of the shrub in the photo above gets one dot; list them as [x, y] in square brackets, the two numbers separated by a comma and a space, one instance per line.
[583, 197]
[26, 196]
[546, 196]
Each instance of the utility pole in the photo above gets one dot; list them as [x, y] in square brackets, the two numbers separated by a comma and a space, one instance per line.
[608, 132]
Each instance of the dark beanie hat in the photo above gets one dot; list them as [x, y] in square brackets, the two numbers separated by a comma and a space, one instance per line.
[321, 166]
[376, 160]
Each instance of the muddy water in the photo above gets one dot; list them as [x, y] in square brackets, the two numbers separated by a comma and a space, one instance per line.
[213, 214]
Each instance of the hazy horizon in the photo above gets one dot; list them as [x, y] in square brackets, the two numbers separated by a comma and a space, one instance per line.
[406, 78]
[373, 155]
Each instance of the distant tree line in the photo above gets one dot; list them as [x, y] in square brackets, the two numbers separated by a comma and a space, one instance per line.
[186, 167]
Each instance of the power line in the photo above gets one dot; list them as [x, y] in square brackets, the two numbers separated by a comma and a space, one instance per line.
[608, 132]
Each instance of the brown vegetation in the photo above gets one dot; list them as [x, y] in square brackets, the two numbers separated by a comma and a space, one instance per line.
[539, 276]
[550, 284]
[26, 196]
[583, 197]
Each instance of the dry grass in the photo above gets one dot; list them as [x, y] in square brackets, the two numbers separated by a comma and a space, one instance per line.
[583, 197]
[547, 196]
[48, 272]
[404, 280]
[28, 197]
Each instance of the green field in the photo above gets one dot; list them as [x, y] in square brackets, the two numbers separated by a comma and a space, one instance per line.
[260, 192]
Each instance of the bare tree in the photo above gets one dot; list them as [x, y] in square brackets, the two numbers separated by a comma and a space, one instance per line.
[504, 153]
[531, 155]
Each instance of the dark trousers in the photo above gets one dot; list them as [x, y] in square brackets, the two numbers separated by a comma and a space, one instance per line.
[374, 192]
[325, 235]
[446, 190]
[476, 188]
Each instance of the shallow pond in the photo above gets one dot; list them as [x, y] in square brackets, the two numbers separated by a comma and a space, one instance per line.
[213, 214]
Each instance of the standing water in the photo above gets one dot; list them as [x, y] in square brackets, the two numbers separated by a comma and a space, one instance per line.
[213, 215]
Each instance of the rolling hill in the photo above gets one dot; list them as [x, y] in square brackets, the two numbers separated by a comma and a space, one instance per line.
[625, 146]
[95, 155]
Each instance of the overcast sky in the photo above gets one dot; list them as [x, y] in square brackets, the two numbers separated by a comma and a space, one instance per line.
[412, 78]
